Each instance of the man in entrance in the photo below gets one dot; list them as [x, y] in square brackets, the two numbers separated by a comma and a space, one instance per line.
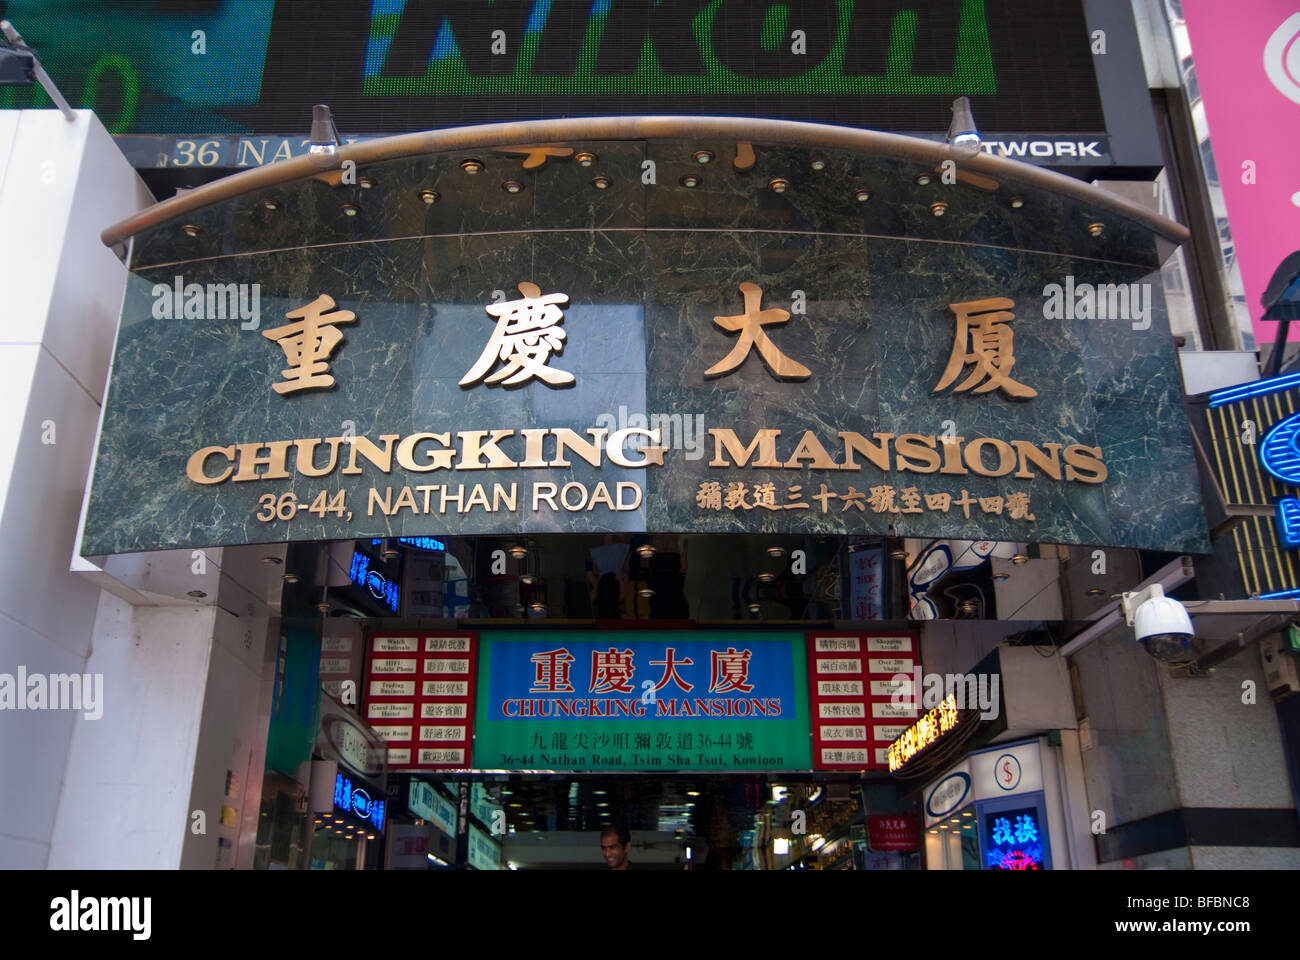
[614, 845]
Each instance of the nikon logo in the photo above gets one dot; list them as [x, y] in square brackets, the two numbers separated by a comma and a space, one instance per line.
[679, 47]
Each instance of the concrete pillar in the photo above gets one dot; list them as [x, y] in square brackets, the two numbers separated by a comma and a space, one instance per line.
[61, 182]
[1184, 770]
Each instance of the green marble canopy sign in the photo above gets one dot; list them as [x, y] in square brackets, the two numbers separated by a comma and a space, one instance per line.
[824, 343]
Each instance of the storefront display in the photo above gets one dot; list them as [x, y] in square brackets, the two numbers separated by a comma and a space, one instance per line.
[996, 810]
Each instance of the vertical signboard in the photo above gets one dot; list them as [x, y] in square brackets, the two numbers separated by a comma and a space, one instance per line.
[338, 663]
[866, 583]
[425, 802]
[858, 708]
[293, 702]
[484, 854]
[419, 698]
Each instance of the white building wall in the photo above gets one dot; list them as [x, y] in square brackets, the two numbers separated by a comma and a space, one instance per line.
[181, 675]
[125, 799]
[61, 182]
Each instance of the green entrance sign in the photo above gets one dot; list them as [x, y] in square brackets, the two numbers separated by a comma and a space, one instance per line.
[692, 700]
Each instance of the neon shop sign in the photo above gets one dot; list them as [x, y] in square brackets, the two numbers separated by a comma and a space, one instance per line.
[1279, 451]
[1012, 840]
[358, 802]
[379, 586]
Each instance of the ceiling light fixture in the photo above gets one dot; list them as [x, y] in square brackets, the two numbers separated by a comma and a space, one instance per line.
[962, 135]
[324, 137]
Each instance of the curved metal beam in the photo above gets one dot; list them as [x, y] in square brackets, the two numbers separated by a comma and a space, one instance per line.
[586, 129]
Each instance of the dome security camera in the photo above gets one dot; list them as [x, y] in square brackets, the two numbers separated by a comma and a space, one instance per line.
[1161, 624]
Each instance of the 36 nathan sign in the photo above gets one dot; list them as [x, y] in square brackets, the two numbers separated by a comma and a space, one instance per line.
[642, 701]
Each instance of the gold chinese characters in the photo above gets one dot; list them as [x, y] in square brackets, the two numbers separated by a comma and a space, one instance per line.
[750, 326]
[307, 344]
[984, 339]
[527, 331]
[734, 495]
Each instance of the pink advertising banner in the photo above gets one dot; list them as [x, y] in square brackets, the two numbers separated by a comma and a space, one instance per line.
[1247, 59]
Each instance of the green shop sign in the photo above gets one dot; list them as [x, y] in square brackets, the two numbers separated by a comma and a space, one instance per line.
[642, 701]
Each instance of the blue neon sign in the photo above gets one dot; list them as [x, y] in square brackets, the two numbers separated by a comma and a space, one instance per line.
[1256, 388]
[358, 802]
[422, 543]
[1288, 522]
[1012, 841]
[1279, 453]
[379, 587]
